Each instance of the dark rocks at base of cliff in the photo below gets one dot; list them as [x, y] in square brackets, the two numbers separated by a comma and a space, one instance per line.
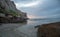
[49, 30]
[12, 20]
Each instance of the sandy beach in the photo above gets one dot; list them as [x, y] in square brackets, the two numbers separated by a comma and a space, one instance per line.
[49, 30]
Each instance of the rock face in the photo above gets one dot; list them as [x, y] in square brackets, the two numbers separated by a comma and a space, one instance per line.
[49, 30]
[7, 8]
[8, 4]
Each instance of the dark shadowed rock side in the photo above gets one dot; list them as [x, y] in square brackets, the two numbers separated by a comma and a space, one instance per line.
[9, 13]
[49, 30]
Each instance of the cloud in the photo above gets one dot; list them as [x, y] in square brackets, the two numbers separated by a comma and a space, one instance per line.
[31, 4]
[48, 8]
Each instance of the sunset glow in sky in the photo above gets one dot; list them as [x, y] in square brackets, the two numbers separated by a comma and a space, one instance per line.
[33, 16]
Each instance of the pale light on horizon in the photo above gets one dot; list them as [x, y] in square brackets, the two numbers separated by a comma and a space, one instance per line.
[33, 16]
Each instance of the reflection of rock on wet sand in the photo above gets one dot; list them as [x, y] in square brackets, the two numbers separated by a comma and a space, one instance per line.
[49, 30]
[7, 30]
[0, 23]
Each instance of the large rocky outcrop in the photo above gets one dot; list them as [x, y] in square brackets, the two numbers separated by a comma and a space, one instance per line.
[49, 30]
[7, 7]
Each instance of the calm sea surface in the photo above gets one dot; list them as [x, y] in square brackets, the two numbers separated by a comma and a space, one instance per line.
[24, 30]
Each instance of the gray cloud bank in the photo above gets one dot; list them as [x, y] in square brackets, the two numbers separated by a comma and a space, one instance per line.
[49, 8]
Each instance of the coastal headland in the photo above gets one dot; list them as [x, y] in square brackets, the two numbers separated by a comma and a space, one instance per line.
[9, 13]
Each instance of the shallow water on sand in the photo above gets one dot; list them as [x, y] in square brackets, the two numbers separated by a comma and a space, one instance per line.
[23, 30]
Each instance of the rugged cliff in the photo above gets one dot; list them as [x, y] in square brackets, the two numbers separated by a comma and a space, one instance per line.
[8, 10]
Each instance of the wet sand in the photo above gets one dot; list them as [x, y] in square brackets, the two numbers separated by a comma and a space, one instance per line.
[17, 30]
[7, 30]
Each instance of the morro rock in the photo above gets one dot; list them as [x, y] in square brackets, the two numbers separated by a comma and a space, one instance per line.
[9, 12]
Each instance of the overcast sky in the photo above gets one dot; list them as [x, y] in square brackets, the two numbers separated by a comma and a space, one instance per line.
[39, 8]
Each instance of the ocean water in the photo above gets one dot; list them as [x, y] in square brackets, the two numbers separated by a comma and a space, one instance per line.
[43, 21]
[24, 30]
